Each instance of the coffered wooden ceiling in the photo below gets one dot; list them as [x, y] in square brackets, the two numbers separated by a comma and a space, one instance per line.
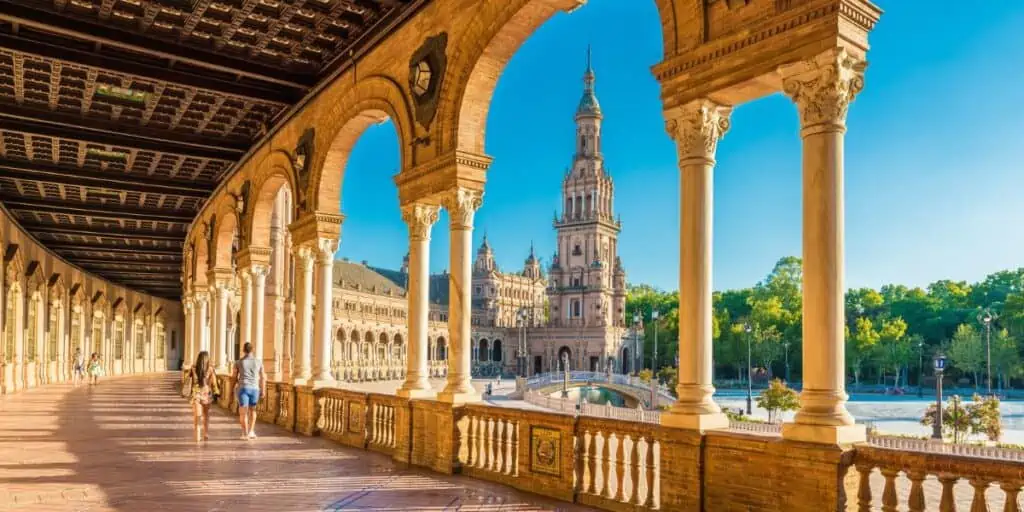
[118, 118]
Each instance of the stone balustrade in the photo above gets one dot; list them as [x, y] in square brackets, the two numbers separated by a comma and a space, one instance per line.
[618, 465]
[933, 478]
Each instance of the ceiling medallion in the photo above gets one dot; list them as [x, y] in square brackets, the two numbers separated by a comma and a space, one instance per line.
[426, 73]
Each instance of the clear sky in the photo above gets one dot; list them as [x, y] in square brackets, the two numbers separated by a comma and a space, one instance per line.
[934, 162]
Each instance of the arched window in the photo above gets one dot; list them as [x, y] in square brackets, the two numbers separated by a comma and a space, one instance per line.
[482, 353]
[496, 351]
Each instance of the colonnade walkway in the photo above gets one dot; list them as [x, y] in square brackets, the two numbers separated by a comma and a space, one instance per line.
[127, 445]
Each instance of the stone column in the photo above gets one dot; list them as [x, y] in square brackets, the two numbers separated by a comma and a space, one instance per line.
[246, 326]
[461, 204]
[303, 314]
[201, 334]
[420, 218]
[696, 128]
[220, 334]
[259, 280]
[188, 355]
[323, 339]
[822, 89]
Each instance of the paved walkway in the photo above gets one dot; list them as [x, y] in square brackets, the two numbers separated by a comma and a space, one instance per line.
[127, 445]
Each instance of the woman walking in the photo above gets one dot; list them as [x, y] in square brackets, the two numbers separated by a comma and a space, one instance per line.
[78, 371]
[94, 369]
[204, 386]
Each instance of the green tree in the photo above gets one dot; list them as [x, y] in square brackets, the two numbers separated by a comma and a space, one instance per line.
[986, 419]
[860, 346]
[1006, 363]
[967, 352]
[894, 348]
[669, 376]
[778, 398]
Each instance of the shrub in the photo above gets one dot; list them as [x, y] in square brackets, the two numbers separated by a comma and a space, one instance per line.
[778, 398]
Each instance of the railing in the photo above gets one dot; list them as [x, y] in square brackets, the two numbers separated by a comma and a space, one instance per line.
[598, 411]
[933, 480]
[618, 464]
[549, 402]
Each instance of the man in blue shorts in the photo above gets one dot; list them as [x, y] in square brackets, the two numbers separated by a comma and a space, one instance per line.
[250, 383]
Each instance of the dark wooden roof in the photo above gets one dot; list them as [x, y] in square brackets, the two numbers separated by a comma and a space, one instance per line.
[118, 118]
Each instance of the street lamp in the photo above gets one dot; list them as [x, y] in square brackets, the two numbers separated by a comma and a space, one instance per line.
[750, 388]
[786, 344]
[986, 317]
[940, 365]
[635, 356]
[654, 366]
[920, 369]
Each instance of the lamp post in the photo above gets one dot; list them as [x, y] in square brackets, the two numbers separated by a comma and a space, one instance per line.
[522, 343]
[986, 317]
[786, 344]
[654, 361]
[750, 388]
[920, 369]
[940, 366]
[636, 344]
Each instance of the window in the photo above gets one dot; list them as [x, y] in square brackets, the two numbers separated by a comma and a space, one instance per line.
[577, 251]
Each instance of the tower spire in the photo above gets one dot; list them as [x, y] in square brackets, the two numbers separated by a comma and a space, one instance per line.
[588, 104]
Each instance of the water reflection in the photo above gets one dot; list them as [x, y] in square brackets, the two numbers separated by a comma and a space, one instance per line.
[594, 395]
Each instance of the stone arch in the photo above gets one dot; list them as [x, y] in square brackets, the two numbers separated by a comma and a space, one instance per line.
[483, 353]
[441, 346]
[496, 353]
[275, 174]
[225, 228]
[482, 51]
[373, 99]
[567, 352]
[198, 259]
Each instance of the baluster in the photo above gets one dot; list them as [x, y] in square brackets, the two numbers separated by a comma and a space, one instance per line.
[481, 441]
[916, 502]
[589, 445]
[649, 455]
[499, 445]
[606, 465]
[948, 502]
[1012, 490]
[391, 427]
[620, 467]
[889, 499]
[374, 423]
[485, 443]
[634, 474]
[979, 503]
[514, 459]
[492, 444]
[864, 488]
[470, 431]
[507, 436]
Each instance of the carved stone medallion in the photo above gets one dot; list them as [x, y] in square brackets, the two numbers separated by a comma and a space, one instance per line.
[545, 451]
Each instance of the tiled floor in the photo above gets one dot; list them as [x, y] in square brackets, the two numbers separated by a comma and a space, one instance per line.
[127, 445]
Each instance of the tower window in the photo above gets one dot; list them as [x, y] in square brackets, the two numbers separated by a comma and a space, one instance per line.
[576, 251]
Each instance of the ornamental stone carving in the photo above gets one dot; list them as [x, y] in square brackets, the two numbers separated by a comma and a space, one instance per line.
[823, 87]
[325, 249]
[696, 128]
[303, 258]
[420, 218]
[462, 204]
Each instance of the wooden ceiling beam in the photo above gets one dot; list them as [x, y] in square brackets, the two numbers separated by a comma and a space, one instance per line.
[154, 251]
[271, 93]
[228, 148]
[94, 210]
[120, 234]
[105, 35]
[103, 262]
[106, 180]
[122, 137]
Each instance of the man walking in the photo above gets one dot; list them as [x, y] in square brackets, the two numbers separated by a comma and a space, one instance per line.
[251, 382]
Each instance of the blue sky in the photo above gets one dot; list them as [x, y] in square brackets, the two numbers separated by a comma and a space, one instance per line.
[934, 154]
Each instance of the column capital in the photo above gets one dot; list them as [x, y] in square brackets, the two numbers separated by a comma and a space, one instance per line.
[462, 204]
[259, 270]
[824, 87]
[253, 255]
[324, 249]
[696, 128]
[420, 218]
[201, 296]
[304, 256]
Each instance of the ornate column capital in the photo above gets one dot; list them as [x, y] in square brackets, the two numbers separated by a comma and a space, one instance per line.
[304, 257]
[462, 204]
[696, 128]
[324, 250]
[420, 218]
[824, 87]
[201, 297]
[259, 271]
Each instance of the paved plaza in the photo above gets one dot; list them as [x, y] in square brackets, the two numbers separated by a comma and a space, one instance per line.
[127, 445]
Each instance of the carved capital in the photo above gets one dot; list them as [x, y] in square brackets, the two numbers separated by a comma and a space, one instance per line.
[325, 249]
[696, 128]
[462, 204]
[824, 87]
[201, 298]
[420, 218]
[259, 271]
[303, 257]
